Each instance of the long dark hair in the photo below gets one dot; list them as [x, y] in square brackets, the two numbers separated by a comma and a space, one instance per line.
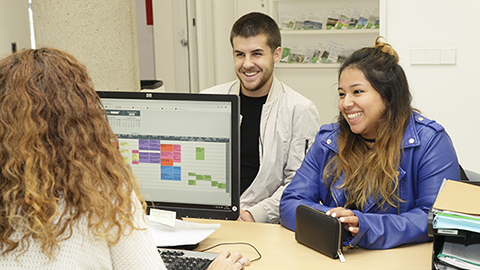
[374, 172]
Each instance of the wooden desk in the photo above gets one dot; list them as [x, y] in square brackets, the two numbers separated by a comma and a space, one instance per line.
[280, 250]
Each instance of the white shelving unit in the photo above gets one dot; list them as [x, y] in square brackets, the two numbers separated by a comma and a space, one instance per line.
[345, 37]
[330, 32]
[333, 32]
[318, 82]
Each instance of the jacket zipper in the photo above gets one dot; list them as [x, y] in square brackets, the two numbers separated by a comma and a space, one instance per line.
[339, 246]
[333, 196]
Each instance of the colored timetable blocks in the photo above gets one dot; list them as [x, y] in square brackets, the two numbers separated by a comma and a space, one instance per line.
[200, 153]
[167, 155]
[149, 157]
[171, 173]
[166, 147]
[135, 157]
[167, 162]
[203, 177]
[153, 145]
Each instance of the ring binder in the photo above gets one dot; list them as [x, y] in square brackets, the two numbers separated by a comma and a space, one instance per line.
[456, 237]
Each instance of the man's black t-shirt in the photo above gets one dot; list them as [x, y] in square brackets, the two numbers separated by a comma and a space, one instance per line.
[251, 111]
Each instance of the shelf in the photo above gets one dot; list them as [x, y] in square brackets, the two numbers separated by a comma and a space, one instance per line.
[308, 66]
[339, 38]
[331, 32]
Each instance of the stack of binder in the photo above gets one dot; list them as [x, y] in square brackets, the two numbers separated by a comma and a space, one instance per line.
[454, 223]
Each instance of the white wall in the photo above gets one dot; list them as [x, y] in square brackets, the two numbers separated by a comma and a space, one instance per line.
[14, 26]
[447, 93]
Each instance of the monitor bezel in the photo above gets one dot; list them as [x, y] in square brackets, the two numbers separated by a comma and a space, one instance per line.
[184, 210]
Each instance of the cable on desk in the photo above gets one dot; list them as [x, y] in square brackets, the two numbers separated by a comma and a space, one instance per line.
[237, 243]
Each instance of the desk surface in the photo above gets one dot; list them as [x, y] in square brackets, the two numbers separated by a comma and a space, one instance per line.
[280, 250]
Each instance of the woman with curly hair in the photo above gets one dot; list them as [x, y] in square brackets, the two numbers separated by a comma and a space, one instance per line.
[68, 199]
[379, 168]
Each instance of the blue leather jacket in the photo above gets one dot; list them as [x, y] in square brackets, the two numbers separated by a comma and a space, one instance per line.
[428, 158]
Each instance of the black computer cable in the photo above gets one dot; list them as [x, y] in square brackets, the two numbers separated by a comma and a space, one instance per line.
[237, 243]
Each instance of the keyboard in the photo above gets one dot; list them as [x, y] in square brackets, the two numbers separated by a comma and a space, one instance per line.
[177, 259]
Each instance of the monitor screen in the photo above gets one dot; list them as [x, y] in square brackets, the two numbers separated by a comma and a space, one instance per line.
[183, 148]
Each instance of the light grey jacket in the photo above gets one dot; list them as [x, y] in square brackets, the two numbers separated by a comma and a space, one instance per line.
[288, 125]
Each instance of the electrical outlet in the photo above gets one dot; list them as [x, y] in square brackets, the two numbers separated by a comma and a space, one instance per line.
[14, 47]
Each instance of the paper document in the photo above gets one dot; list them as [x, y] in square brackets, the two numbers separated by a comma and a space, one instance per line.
[163, 217]
[452, 220]
[461, 255]
[184, 232]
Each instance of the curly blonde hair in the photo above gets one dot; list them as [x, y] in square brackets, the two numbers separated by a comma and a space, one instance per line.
[57, 148]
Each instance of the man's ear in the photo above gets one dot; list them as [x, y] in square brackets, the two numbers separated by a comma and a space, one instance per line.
[277, 54]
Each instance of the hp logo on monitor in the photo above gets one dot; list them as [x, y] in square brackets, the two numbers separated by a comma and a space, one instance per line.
[148, 95]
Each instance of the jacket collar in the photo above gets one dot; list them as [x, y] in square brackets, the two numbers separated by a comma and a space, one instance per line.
[274, 90]
[410, 137]
[272, 93]
[331, 140]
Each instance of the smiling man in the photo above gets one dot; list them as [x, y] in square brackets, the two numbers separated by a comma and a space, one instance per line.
[278, 124]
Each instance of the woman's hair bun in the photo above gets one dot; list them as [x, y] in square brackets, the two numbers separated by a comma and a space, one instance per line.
[382, 44]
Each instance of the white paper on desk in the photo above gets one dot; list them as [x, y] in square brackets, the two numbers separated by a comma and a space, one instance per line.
[184, 233]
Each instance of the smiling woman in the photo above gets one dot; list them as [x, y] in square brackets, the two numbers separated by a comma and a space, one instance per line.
[360, 104]
[379, 168]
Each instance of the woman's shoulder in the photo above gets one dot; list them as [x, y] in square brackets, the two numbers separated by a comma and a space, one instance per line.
[422, 130]
[329, 128]
[328, 132]
[421, 122]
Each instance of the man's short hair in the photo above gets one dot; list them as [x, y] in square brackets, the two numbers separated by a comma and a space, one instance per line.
[254, 24]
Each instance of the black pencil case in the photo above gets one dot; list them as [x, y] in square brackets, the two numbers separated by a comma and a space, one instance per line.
[318, 231]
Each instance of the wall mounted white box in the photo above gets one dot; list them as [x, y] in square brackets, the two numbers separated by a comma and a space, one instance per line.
[432, 57]
[448, 56]
[417, 56]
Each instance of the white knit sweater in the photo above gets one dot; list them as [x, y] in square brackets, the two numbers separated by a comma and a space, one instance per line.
[83, 251]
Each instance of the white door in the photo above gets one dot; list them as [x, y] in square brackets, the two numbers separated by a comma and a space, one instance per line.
[173, 25]
[14, 26]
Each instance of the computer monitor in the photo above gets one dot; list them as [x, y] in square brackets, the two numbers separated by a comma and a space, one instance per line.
[183, 148]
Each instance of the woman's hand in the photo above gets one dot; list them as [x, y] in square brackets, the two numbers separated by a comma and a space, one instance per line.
[346, 217]
[228, 261]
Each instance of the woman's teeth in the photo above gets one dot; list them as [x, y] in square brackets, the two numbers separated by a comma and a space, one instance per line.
[354, 115]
